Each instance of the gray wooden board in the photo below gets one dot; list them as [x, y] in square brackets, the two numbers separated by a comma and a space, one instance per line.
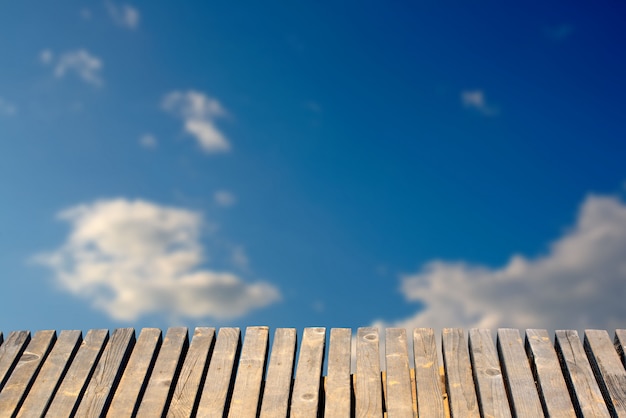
[23, 374]
[184, 400]
[399, 397]
[136, 373]
[306, 389]
[49, 376]
[459, 381]
[245, 399]
[107, 374]
[608, 369]
[277, 388]
[520, 383]
[220, 374]
[428, 381]
[548, 375]
[620, 344]
[492, 398]
[73, 384]
[582, 385]
[338, 387]
[368, 394]
[10, 352]
[163, 377]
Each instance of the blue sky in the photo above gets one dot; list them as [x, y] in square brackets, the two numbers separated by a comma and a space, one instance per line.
[312, 163]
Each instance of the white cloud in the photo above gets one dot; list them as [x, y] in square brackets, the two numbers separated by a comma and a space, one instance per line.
[580, 283]
[80, 62]
[148, 141]
[132, 258]
[198, 112]
[224, 198]
[7, 108]
[124, 15]
[475, 99]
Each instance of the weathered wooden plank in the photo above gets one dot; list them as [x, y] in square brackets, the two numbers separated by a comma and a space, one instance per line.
[107, 374]
[492, 398]
[338, 386]
[164, 374]
[520, 384]
[133, 383]
[608, 369]
[459, 382]
[548, 375]
[220, 377]
[399, 397]
[10, 353]
[368, 393]
[428, 381]
[50, 375]
[582, 385]
[306, 389]
[245, 400]
[275, 399]
[67, 397]
[23, 374]
[620, 344]
[186, 395]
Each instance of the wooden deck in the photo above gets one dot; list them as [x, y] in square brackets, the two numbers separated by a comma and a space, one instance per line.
[214, 375]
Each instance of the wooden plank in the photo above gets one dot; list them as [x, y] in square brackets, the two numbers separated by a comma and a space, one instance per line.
[520, 384]
[620, 344]
[10, 353]
[306, 389]
[164, 374]
[338, 387]
[277, 388]
[368, 394]
[582, 385]
[24, 373]
[50, 375]
[133, 383]
[490, 391]
[67, 397]
[220, 377]
[548, 375]
[399, 393]
[608, 369]
[427, 378]
[459, 381]
[186, 395]
[245, 400]
[107, 374]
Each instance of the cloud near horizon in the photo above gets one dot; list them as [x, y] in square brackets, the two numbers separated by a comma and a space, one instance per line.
[580, 283]
[198, 111]
[131, 258]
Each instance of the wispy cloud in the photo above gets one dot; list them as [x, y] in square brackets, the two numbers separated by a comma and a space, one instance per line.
[224, 198]
[579, 283]
[123, 15]
[198, 111]
[7, 108]
[133, 258]
[81, 63]
[148, 141]
[475, 99]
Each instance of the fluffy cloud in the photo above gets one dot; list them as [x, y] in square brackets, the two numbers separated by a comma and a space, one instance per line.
[475, 99]
[131, 258]
[81, 63]
[124, 15]
[224, 198]
[7, 108]
[198, 113]
[580, 283]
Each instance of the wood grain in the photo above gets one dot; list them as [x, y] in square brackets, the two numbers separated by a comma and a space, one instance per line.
[277, 387]
[187, 393]
[338, 386]
[368, 394]
[459, 381]
[548, 375]
[306, 389]
[490, 390]
[10, 352]
[133, 383]
[399, 399]
[428, 380]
